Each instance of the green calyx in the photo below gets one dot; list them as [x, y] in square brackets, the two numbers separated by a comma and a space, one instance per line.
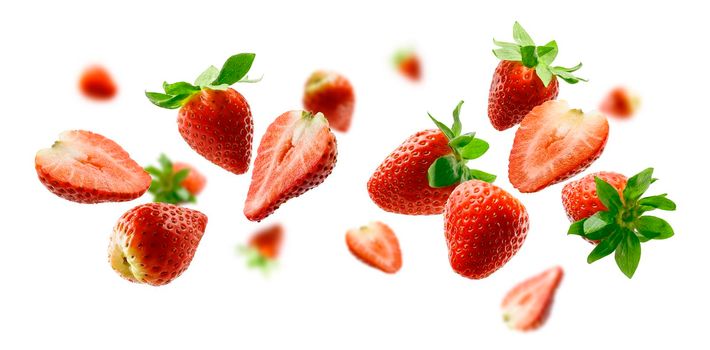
[452, 169]
[233, 71]
[256, 260]
[624, 226]
[538, 57]
[166, 186]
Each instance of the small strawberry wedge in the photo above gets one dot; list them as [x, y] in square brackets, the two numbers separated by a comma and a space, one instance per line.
[375, 245]
[527, 306]
[298, 151]
[553, 144]
[85, 167]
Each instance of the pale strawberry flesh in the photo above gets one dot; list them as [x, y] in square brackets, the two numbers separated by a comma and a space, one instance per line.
[298, 151]
[555, 143]
[89, 168]
[376, 245]
[527, 306]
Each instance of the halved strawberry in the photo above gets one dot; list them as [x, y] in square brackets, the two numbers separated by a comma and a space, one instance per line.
[527, 306]
[86, 167]
[297, 152]
[376, 245]
[555, 143]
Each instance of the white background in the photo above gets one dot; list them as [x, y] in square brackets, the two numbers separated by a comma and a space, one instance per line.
[58, 291]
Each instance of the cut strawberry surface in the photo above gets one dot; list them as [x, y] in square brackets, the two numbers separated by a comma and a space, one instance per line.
[527, 306]
[298, 151]
[86, 167]
[555, 143]
[376, 245]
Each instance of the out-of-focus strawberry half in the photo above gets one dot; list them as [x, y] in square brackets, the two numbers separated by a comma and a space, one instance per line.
[297, 152]
[376, 245]
[527, 306]
[553, 144]
[620, 102]
[86, 167]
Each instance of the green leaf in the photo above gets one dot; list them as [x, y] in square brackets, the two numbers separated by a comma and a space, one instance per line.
[207, 77]
[628, 254]
[461, 140]
[166, 164]
[167, 101]
[445, 129]
[221, 87]
[474, 149]
[183, 195]
[608, 195]
[181, 175]
[456, 128]
[566, 76]
[576, 228]
[444, 172]
[521, 36]
[179, 88]
[658, 202]
[637, 185]
[543, 72]
[653, 227]
[235, 68]
[603, 232]
[605, 247]
[598, 225]
[508, 54]
[504, 44]
[545, 56]
[481, 175]
[529, 58]
[153, 170]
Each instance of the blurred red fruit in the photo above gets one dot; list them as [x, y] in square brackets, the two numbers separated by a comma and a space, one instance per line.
[96, 83]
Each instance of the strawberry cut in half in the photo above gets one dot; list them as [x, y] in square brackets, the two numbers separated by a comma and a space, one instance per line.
[527, 306]
[85, 167]
[553, 144]
[214, 119]
[623, 224]
[154, 243]
[297, 152]
[375, 245]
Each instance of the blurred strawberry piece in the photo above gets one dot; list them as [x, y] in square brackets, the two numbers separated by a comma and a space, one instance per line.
[620, 102]
[408, 64]
[96, 83]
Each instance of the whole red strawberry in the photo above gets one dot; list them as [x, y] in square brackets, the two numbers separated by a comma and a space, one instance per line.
[175, 183]
[297, 152]
[262, 250]
[408, 64]
[484, 227]
[96, 83]
[580, 197]
[331, 94]
[524, 78]
[609, 211]
[85, 167]
[154, 243]
[418, 177]
[214, 119]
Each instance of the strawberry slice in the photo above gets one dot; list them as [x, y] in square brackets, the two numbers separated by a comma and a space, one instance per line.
[527, 306]
[553, 144]
[375, 245]
[298, 151]
[86, 167]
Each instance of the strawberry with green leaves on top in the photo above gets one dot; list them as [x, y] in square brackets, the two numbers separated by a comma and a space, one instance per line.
[524, 78]
[263, 248]
[214, 119]
[418, 177]
[624, 225]
[175, 183]
[408, 64]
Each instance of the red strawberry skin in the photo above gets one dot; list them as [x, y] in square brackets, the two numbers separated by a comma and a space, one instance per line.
[484, 227]
[375, 245]
[86, 167]
[331, 94]
[620, 103]
[297, 152]
[410, 67]
[218, 125]
[154, 243]
[514, 92]
[527, 306]
[268, 241]
[194, 182]
[400, 184]
[96, 83]
[580, 197]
